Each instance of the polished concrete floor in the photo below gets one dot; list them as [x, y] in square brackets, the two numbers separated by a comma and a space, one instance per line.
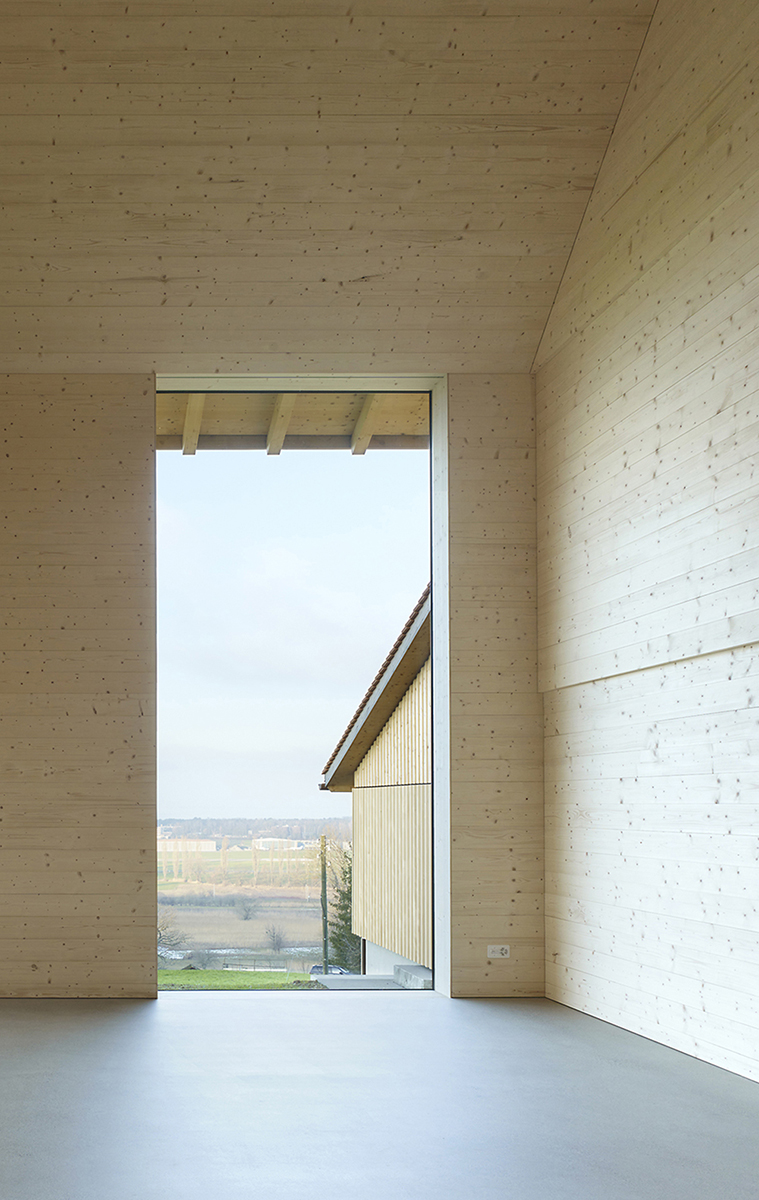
[359, 1094]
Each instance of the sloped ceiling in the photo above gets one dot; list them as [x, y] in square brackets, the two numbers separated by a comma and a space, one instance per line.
[297, 185]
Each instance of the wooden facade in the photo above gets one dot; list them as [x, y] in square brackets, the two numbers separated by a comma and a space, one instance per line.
[392, 830]
[402, 752]
[385, 759]
[484, 199]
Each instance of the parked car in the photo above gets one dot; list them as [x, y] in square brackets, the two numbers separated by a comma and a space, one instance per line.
[318, 969]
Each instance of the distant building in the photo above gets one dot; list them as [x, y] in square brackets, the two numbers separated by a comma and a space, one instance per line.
[278, 844]
[191, 845]
[385, 758]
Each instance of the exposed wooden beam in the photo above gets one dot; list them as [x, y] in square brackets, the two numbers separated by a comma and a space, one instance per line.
[280, 419]
[192, 420]
[324, 420]
[362, 434]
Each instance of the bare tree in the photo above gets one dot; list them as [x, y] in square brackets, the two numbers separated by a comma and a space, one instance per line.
[275, 937]
[171, 939]
[246, 907]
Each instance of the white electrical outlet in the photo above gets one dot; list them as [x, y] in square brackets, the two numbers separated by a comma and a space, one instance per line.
[499, 951]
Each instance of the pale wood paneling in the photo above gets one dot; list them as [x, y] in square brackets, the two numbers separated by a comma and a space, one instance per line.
[304, 420]
[648, 417]
[392, 830]
[392, 873]
[393, 187]
[495, 711]
[648, 389]
[652, 904]
[77, 712]
[402, 752]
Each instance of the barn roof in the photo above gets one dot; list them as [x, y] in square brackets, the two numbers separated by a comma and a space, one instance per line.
[401, 666]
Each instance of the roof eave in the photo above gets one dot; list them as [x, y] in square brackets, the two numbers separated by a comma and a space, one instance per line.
[407, 662]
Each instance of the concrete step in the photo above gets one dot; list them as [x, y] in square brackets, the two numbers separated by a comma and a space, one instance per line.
[359, 983]
[412, 977]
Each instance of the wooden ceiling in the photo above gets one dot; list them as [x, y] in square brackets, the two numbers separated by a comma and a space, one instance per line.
[297, 185]
[274, 421]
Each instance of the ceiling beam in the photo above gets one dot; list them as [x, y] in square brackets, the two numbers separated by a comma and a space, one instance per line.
[364, 428]
[280, 419]
[192, 421]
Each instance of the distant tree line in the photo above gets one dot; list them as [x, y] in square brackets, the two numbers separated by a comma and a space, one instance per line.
[200, 899]
[299, 829]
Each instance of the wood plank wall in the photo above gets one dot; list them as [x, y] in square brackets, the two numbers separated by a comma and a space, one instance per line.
[392, 830]
[290, 186]
[402, 751]
[648, 409]
[496, 832]
[77, 679]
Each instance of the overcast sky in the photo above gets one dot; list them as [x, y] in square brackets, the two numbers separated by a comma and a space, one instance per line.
[282, 583]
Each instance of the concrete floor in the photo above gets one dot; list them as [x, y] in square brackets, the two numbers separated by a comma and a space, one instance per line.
[367, 1094]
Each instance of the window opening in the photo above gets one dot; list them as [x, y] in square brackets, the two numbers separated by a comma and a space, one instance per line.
[284, 580]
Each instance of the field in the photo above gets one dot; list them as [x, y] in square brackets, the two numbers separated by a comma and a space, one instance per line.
[251, 867]
[206, 927]
[205, 920]
[233, 981]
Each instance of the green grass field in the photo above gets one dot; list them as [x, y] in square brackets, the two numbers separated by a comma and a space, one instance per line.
[230, 981]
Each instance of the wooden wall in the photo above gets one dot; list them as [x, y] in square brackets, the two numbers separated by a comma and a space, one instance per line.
[648, 567]
[390, 186]
[282, 187]
[402, 751]
[392, 830]
[495, 756]
[77, 679]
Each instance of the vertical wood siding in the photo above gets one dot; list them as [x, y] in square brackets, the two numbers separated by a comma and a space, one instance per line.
[77, 679]
[401, 753]
[392, 833]
[648, 402]
[392, 869]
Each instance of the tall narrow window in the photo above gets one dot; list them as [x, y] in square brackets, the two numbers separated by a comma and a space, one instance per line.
[283, 579]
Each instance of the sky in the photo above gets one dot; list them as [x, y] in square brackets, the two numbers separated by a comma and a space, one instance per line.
[283, 581]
